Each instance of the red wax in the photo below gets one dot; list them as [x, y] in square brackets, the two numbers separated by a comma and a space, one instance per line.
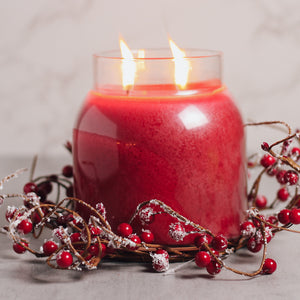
[185, 150]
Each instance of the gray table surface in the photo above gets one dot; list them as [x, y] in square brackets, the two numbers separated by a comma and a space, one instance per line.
[26, 277]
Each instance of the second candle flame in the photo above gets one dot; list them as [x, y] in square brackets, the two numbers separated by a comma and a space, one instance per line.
[182, 65]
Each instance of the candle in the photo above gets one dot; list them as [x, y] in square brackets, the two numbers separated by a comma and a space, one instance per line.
[183, 145]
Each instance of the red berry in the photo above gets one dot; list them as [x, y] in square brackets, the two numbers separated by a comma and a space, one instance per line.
[124, 229]
[202, 259]
[269, 266]
[163, 252]
[291, 177]
[146, 215]
[295, 216]
[253, 245]
[134, 238]
[247, 228]
[19, 248]
[49, 247]
[216, 253]
[10, 212]
[45, 186]
[273, 220]
[177, 232]
[267, 160]
[213, 268]
[95, 231]
[283, 194]
[147, 236]
[25, 226]
[160, 260]
[104, 248]
[219, 243]
[296, 152]
[280, 176]
[284, 216]
[265, 146]
[202, 238]
[256, 222]
[94, 249]
[261, 201]
[67, 171]
[75, 237]
[69, 191]
[64, 259]
[30, 187]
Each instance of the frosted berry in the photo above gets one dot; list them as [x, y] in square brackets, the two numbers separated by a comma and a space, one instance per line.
[25, 226]
[124, 229]
[280, 176]
[219, 243]
[146, 215]
[253, 245]
[30, 187]
[213, 268]
[269, 266]
[202, 259]
[283, 194]
[147, 236]
[19, 248]
[49, 247]
[177, 232]
[67, 171]
[10, 212]
[261, 201]
[64, 259]
[247, 228]
[202, 238]
[163, 252]
[291, 177]
[296, 152]
[95, 231]
[160, 260]
[267, 160]
[284, 216]
[295, 216]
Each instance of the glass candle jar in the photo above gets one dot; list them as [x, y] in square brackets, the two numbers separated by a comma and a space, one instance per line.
[154, 139]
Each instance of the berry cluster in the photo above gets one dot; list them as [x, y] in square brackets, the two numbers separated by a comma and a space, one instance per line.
[75, 243]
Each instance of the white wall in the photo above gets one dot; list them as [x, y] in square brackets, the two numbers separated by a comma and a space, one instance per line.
[46, 48]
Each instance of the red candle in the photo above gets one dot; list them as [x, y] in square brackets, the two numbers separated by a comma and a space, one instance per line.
[183, 147]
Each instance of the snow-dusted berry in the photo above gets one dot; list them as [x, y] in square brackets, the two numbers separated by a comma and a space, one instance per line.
[146, 215]
[160, 260]
[177, 232]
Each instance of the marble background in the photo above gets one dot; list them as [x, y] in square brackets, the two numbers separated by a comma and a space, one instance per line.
[46, 66]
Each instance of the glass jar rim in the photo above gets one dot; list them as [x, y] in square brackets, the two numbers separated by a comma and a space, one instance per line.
[191, 53]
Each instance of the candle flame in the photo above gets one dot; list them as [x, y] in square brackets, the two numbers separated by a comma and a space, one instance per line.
[182, 65]
[128, 66]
